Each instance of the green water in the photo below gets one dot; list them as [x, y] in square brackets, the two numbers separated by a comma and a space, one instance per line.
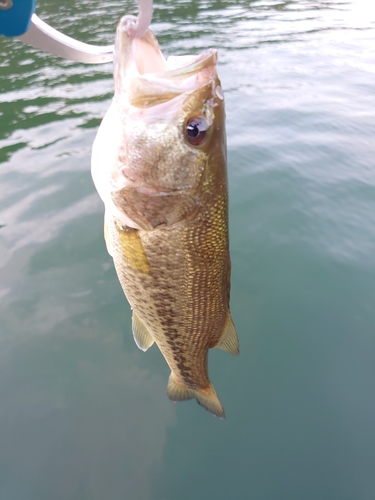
[83, 413]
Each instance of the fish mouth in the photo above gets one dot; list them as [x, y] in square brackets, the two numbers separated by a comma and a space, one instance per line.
[142, 73]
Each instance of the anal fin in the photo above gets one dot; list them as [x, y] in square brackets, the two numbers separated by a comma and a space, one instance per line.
[177, 391]
[142, 336]
[229, 340]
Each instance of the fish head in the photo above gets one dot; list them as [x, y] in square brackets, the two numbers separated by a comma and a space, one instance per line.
[168, 117]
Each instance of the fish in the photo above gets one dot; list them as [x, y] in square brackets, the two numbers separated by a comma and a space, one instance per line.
[159, 165]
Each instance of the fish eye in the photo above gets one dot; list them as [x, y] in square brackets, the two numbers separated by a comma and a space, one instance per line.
[196, 130]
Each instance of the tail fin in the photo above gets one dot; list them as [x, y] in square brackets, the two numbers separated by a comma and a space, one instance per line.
[205, 397]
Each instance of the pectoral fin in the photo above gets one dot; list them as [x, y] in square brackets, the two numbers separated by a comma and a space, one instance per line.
[229, 340]
[106, 235]
[142, 336]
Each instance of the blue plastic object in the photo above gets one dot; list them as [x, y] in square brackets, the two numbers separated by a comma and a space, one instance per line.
[15, 20]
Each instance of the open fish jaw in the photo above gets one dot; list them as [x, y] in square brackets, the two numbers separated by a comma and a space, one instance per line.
[144, 78]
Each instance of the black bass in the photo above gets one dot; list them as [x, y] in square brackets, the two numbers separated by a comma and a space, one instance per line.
[159, 165]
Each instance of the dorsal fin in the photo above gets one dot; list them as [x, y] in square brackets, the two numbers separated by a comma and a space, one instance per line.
[229, 340]
[142, 336]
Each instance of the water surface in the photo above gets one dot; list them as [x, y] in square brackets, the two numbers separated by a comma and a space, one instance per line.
[83, 413]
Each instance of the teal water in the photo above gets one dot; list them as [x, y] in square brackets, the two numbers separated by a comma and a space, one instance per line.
[83, 413]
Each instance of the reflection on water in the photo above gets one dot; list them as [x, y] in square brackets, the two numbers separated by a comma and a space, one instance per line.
[84, 413]
[81, 423]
